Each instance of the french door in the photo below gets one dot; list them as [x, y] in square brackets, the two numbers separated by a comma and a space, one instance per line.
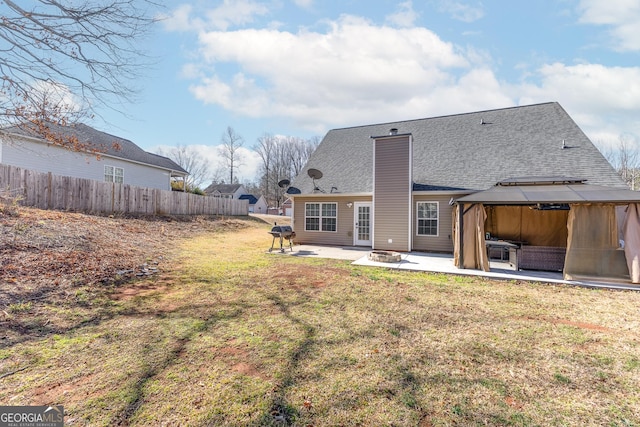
[362, 224]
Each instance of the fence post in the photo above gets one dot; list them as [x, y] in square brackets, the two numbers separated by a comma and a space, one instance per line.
[49, 201]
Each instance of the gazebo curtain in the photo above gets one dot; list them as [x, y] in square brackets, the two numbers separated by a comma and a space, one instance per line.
[593, 246]
[474, 249]
[631, 236]
[528, 225]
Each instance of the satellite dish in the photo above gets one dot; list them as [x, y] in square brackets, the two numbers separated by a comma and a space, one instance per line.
[293, 190]
[314, 174]
[283, 183]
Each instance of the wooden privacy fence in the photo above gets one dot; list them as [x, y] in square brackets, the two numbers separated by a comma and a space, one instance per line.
[48, 191]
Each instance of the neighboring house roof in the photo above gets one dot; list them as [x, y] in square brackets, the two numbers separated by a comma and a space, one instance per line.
[222, 188]
[470, 151]
[250, 197]
[104, 143]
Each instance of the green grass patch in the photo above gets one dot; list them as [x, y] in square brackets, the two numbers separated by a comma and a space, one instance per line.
[235, 336]
[20, 307]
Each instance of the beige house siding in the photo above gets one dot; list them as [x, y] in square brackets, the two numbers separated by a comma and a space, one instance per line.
[344, 234]
[443, 242]
[392, 193]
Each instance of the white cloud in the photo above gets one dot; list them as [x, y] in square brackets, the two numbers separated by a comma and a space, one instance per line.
[461, 11]
[622, 16]
[603, 87]
[180, 19]
[229, 13]
[341, 76]
[235, 12]
[305, 4]
[604, 101]
[405, 16]
[355, 72]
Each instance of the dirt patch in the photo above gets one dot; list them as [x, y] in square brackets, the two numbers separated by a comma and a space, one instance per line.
[74, 391]
[247, 369]
[513, 402]
[238, 360]
[581, 325]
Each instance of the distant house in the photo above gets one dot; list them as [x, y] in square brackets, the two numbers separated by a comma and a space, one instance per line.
[287, 207]
[225, 191]
[256, 205]
[99, 156]
[526, 177]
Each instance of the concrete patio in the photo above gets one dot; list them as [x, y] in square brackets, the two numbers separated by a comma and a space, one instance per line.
[443, 263]
[434, 263]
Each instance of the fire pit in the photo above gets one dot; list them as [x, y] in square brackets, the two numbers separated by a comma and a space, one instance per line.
[384, 256]
[282, 232]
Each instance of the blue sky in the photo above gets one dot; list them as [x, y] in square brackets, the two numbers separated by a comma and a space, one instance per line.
[302, 67]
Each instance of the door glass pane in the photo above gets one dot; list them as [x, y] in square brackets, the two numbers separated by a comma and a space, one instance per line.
[364, 219]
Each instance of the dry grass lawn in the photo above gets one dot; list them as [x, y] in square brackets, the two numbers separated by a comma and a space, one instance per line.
[229, 335]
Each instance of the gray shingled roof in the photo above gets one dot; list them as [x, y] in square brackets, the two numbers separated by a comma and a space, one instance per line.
[222, 188]
[104, 143]
[471, 151]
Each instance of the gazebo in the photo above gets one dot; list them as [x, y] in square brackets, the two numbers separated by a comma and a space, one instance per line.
[594, 230]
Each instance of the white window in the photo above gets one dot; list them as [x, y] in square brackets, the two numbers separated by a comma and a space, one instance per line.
[427, 218]
[321, 217]
[113, 174]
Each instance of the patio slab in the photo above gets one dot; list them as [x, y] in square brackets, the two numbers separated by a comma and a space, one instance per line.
[443, 263]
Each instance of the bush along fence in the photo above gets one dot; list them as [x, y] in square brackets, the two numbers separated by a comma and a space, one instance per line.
[48, 191]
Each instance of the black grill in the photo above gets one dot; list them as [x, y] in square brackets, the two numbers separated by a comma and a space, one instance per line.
[282, 232]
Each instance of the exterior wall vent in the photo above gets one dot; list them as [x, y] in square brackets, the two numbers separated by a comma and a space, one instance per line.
[393, 131]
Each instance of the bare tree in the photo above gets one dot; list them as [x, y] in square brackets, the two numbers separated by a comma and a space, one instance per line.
[86, 50]
[231, 143]
[282, 158]
[299, 152]
[626, 161]
[189, 159]
[266, 148]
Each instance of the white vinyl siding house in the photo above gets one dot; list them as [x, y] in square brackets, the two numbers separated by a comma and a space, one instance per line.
[225, 191]
[256, 205]
[129, 165]
[260, 206]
